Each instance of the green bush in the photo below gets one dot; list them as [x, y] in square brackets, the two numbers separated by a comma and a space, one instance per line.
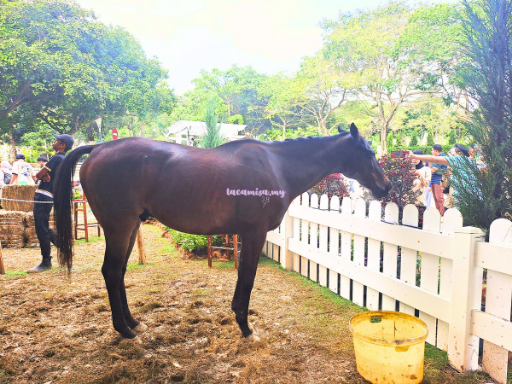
[192, 243]
[452, 139]
[389, 141]
[430, 138]
[414, 138]
[30, 155]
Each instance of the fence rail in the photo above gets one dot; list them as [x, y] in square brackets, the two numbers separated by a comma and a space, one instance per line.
[436, 273]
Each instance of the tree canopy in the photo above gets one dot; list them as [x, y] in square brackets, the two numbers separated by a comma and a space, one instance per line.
[61, 66]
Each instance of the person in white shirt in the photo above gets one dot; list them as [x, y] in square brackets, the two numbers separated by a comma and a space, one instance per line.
[22, 172]
[423, 181]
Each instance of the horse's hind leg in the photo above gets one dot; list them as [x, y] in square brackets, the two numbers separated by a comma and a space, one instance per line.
[132, 323]
[117, 237]
[251, 250]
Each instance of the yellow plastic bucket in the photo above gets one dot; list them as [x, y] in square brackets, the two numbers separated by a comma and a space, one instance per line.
[389, 346]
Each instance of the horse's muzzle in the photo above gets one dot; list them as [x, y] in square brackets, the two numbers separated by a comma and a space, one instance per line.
[379, 192]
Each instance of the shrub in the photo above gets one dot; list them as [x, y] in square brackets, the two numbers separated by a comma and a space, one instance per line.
[430, 138]
[414, 138]
[401, 173]
[389, 141]
[193, 243]
[332, 185]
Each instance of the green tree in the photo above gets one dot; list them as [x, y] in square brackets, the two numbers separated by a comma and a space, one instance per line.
[236, 87]
[489, 76]
[324, 91]
[430, 138]
[380, 58]
[434, 38]
[283, 98]
[452, 139]
[59, 65]
[414, 138]
[389, 141]
[213, 137]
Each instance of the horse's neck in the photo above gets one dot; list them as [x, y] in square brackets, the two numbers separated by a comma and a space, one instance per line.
[305, 164]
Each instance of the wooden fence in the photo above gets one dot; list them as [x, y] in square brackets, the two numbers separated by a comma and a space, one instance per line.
[435, 273]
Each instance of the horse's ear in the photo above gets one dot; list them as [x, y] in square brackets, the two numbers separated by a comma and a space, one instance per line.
[354, 131]
[340, 130]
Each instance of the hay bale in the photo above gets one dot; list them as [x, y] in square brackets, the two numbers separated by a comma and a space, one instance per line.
[30, 235]
[18, 192]
[12, 229]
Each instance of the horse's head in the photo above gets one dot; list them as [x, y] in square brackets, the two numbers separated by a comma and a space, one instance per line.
[359, 163]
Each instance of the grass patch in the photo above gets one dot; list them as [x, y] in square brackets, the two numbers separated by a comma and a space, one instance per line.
[137, 266]
[91, 240]
[150, 306]
[15, 273]
[436, 357]
[224, 264]
[200, 292]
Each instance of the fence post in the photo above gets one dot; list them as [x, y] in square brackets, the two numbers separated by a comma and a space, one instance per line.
[140, 247]
[466, 296]
[286, 233]
[497, 303]
[2, 268]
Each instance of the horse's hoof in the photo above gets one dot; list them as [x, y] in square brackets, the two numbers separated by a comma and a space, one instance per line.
[140, 328]
[253, 338]
[128, 343]
[136, 340]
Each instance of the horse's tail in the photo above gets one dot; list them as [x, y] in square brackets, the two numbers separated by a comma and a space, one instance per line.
[62, 205]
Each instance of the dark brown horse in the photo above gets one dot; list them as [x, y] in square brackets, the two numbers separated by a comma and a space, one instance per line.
[191, 190]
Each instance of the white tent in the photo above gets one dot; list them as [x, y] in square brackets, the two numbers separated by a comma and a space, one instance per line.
[197, 129]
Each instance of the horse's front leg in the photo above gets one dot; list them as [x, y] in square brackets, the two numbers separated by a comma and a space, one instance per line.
[251, 250]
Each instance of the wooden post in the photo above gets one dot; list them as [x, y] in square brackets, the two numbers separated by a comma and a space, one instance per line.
[2, 268]
[235, 250]
[140, 246]
[467, 280]
[75, 212]
[210, 264]
[499, 296]
[85, 221]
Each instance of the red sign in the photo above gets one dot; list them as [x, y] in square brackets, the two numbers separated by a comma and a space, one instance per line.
[114, 134]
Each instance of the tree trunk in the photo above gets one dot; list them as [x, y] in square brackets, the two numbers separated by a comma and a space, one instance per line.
[383, 139]
[142, 128]
[90, 133]
[12, 148]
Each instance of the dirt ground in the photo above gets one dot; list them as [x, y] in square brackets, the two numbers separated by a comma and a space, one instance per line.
[56, 330]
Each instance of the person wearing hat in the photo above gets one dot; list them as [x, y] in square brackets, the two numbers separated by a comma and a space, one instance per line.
[42, 160]
[43, 198]
[22, 172]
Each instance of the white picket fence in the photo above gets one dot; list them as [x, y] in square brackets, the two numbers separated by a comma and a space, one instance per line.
[435, 273]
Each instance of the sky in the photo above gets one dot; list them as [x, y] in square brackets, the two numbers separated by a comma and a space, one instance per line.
[190, 35]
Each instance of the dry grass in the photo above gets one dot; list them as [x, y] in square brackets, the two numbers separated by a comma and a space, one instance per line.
[59, 330]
